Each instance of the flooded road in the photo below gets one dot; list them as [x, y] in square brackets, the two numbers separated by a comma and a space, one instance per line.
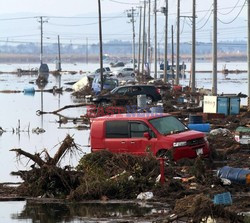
[19, 109]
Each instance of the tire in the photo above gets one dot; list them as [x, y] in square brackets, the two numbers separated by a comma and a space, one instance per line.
[119, 75]
[149, 99]
[132, 75]
[162, 153]
[103, 102]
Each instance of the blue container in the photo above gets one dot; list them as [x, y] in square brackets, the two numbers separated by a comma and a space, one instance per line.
[156, 109]
[29, 91]
[180, 99]
[224, 198]
[234, 106]
[195, 119]
[236, 175]
[223, 105]
[204, 127]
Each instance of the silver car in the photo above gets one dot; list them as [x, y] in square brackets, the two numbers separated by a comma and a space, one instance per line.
[106, 71]
[124, 72]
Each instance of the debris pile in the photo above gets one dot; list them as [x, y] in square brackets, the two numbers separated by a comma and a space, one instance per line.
[46, 178]
[189, 188]
[115, 176]
[200, 207]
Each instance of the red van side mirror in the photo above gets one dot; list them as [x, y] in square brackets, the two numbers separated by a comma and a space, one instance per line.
[146, 135]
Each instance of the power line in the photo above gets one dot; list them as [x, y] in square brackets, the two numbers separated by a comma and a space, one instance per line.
[205, 21]
[235, 16]
[124, 3]
[86, 24]
[17, 18]
[231, 9]
[209, 10]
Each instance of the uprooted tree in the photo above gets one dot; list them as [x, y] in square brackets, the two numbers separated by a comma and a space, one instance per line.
[46, 178]
[97, 174]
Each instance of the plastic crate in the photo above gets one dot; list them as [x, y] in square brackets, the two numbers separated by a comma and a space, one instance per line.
[224, 198]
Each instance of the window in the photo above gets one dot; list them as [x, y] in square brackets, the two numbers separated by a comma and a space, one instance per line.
[137, 129]
[111, 82]
[136, 89]
[168, 125]
[122, 90]
[117, 129]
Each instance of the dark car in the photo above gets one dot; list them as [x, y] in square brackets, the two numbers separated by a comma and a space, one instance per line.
[131, 91]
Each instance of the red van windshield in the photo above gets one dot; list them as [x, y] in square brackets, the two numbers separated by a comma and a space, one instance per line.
[168, 125]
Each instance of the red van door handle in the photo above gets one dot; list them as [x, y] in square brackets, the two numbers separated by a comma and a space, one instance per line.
[122, 142]
[132, 142]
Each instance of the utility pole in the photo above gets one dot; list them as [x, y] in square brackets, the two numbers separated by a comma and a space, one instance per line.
[59, 54]
[139, 42]
[155, 11]
[130, 14]
[165, 73]
[87, 50]
[214, 87]
[178, 44]
[193, 48]
[248, 51]
[41, 52]
[172, 62]
[143, 37]
[100, 43]
[149, 44]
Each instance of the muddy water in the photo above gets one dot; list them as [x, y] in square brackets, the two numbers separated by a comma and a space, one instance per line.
[19, 109]
[87, 212]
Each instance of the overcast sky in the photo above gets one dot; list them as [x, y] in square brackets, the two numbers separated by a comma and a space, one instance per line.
[74, 7]
[231, 19]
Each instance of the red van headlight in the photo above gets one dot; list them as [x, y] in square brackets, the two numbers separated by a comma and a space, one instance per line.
[179, 144]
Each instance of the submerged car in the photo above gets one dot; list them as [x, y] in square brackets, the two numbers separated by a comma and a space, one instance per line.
[151, 92]
[108, 84]
[117, 64]
[105, 70]
[144, 133]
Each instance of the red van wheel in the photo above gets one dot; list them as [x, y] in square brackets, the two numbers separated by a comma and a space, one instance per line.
[163, 153]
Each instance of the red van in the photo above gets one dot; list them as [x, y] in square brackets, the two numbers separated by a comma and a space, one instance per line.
[140, 133]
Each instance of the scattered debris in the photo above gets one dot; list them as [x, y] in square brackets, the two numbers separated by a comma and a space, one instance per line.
[38, 130]
[145, 196]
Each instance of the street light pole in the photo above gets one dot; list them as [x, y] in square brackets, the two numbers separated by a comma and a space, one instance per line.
[139, 43]
[178, 44]
[155, 11]
[149, 44]
[143, 37]
[193, 48]
[100, 43]
[165, 76]
[214, 87]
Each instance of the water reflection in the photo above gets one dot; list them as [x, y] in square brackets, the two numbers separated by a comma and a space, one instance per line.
[60, 212]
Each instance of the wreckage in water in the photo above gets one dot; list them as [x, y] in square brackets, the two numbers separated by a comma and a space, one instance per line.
[43, 74]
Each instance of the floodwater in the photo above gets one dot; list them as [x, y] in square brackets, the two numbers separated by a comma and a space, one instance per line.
[20, 110]
[80, 212]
